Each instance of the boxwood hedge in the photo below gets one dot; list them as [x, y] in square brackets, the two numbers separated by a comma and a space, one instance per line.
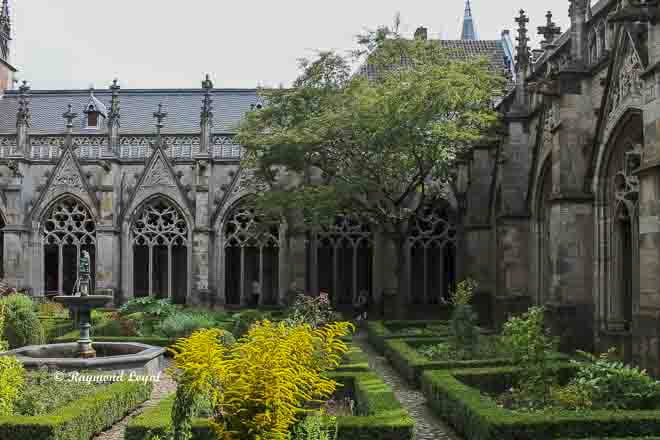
[458, 397]
[80, 419]
[381, 415]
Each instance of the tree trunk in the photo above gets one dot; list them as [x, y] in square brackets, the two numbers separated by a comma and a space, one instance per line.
[401, 276]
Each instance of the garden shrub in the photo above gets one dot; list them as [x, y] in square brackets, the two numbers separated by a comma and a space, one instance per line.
[52, 309]
[463, 323]
[531, 347]
[261, 383]
[11, 375]
[244, 320]
[22, 325]
[149, 305]
[182, 324]
[312, 428]
[43, 393]
[604, 383]
[315, 311]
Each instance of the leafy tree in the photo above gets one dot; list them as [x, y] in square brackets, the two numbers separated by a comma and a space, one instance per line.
[382, 145]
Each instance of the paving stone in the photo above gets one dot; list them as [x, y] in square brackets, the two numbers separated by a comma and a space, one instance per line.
[162, 389]
[427, 425]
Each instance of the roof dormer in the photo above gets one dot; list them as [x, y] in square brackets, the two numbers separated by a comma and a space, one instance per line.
[95, 112]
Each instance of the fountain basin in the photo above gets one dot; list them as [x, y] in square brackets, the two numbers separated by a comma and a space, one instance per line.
[112, 357]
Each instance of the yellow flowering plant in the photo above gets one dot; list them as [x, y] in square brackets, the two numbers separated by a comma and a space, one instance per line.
[260, 386]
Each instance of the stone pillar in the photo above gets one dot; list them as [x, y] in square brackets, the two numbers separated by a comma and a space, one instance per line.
[571, 217]
[16, 249]
[295, 265]
[201, 246]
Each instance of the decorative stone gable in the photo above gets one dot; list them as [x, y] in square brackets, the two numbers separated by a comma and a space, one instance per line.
[67, 178]
[158, 175]
[157, 179]
[625, 80]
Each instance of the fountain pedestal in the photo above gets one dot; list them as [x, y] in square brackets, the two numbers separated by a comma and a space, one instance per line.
[83, 306]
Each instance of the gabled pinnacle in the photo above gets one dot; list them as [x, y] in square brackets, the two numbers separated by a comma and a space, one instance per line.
[549, 31]
[159, 115]
[113, 114]
[23, 116]
[522, 49]
[207, 103]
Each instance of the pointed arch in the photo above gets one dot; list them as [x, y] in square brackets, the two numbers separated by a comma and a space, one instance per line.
[541, 209]
[250, 256]
[616, 188]
[66, 228]
[157, 245]
[431, 256]
[344, 258]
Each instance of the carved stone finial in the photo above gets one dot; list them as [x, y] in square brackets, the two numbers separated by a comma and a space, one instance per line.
[160, 117]
[549, 31]
[522, 50]
[23, 116]
[69, 116]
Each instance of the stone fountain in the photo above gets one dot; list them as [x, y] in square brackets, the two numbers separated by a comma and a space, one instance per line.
[118, 357]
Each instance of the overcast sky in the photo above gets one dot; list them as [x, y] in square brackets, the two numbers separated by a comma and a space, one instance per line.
[61, 44]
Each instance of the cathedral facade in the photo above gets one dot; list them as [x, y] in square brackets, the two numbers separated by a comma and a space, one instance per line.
[563, 210]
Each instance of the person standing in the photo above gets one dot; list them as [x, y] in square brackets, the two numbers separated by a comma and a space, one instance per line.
[256, 293]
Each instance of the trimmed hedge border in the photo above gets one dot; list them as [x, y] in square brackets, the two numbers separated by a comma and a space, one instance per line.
[478, 417]
[403, 356]
[386, 419]
[81, 419]
[378, 333]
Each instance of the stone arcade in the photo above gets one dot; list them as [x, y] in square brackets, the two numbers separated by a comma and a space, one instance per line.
[562, 211]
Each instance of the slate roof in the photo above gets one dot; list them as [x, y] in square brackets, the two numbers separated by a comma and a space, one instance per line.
[183, 107]
[464, 50]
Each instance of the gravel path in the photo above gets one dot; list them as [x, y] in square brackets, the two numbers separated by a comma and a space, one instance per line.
[427, 425]
[162, 389]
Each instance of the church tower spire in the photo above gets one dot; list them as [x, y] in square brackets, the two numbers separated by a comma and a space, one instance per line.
[469, 32]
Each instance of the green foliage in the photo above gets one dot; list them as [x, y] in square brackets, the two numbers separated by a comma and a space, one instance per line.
[12, 378]
[149, 305]
[485, 348]
[381, 416]
[181, 324]
[42, 393]
[260, 384]
[463, 323]
[244, 320]
[52, 309]
[315, 311]
[22, 325]
[312, 428]
[461, 398]
[531, 347]
[605, 383]
[80, 419]
[381, 147]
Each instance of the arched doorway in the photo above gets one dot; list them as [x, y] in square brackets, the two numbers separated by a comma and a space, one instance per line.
[345, 259]
[432, 255]
[67, 229]
[251, 253]
[160, 242]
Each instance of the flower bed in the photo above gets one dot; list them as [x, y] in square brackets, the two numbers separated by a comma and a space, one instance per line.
[381, 416]
[81, 418]
[462, 398]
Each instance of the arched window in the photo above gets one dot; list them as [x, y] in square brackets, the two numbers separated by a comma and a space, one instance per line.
[159, 236]
[251, 258]
[345, 259]
[543, 230]
[67, 230]
[432, 255]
